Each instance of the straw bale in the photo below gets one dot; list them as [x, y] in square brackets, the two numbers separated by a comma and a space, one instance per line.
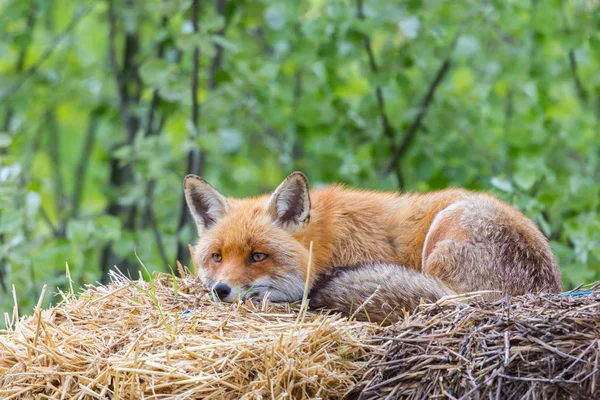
[134, 339]
[526, 347]
[165, 339]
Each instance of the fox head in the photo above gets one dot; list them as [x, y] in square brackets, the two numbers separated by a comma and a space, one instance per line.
[250, 247]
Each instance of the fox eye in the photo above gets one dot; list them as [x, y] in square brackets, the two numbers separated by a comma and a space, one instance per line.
[258, 257]
[216, 257]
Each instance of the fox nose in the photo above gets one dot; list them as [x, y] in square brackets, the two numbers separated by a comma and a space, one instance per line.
[221, 290]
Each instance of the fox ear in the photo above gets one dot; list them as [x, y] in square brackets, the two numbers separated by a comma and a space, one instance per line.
[289, 204]
[205, 202]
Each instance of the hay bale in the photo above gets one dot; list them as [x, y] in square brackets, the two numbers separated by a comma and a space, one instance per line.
[154, 340]
[526, 347]
[134, 339]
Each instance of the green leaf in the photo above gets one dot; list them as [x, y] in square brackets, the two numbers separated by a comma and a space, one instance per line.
[5, 140]
[410, 27]
[275, 17]
[231, 140]
[525, 178]
[501, 184]
[463, 79]
[157, 72]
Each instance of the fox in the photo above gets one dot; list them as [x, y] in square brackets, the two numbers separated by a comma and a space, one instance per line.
[374, 254]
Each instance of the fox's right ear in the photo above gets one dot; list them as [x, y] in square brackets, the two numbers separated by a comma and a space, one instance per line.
[205, 202]
[289, 204]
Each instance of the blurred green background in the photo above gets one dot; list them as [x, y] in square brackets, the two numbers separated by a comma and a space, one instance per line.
[106, 105]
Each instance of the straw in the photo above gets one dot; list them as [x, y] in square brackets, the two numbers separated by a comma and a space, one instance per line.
[167, 339]
[136, 339]
[526, 347]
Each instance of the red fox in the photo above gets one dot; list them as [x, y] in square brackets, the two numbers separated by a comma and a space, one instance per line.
[389, 248]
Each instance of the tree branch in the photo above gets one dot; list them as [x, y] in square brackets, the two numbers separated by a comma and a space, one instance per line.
[583, 96]
[259, 34]
[55, 232]
[46, 54]
[195, 159]
[153, 223]
[195, 67]
[54, 150]
[533, 49]
[598, 105]
[126, 94]
[508, 110]
[84, 159]
[155, 95]
[20, 65]
[130, 75]
[416, 124]
[581, 92]
[297, 146]
[149, 216]
[122, 96]
[31, 149]
[2, 272]
[218, 58]
[31, 19]
[388, 130]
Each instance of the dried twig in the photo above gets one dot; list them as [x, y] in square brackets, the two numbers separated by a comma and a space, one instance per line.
[487, 349]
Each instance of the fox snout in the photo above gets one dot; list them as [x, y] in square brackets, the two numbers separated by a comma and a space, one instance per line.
[286, 288]
[224, 292]
[221, 290]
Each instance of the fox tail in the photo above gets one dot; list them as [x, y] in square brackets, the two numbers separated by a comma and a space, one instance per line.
[377, 292]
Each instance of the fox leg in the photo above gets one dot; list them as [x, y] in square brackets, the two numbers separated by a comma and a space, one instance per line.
[480, 243]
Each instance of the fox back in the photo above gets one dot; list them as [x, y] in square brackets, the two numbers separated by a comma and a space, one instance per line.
[453, 240]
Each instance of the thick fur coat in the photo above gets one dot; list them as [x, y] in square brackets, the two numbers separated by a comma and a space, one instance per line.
[409, 246]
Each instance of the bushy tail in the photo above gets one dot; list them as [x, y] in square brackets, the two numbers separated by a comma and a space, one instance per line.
[376, 292]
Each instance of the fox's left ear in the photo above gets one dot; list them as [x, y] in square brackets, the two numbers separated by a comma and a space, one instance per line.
[289, 204]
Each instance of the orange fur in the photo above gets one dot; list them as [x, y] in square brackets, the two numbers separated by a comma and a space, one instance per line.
[469, 241]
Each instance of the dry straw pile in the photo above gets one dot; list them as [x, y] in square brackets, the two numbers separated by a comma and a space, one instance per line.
[165, 339]
[134, 340]
[526, 347]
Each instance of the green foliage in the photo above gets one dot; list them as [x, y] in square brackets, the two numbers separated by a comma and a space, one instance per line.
[284, 85]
